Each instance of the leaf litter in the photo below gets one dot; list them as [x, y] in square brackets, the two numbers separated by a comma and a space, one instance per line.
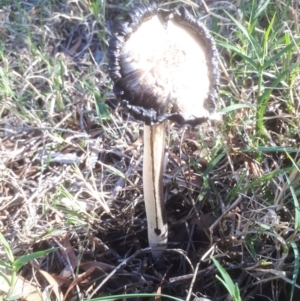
[71, 175]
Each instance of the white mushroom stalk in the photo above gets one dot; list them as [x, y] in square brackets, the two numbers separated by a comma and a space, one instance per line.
[164, 67]
[153, 164]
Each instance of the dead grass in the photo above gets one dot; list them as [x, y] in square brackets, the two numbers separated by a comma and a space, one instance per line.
[70, 165]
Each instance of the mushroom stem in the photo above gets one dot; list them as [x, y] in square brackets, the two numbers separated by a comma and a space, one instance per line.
[154, 150]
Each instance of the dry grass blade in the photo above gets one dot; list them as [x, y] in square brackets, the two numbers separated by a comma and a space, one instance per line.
[70, 158]
[53, 283]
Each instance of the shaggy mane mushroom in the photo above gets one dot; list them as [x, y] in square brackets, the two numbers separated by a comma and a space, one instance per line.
[164, 65]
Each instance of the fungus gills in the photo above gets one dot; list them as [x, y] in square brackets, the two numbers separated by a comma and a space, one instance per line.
[164, 65]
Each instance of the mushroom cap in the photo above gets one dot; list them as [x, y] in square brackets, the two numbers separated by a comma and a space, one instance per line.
[164, 64]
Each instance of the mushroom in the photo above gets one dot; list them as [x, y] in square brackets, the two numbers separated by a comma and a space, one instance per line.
[164, 65]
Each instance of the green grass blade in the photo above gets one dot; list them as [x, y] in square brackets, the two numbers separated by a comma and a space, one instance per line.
[18, 263]
[234, 107]
[261, 9]
[227, 281]
[264, 98]
[296, 204]
[238, 51]
[237, 187]
[270, 149]
[127, 296]
[252, 21]
[6, 278]
[250, 244]
[237, 293]
[213, 163]
[5, 265]
[267, 177]
[7, 248]
[296, 268]
[246, 34]
[267, 34]
[281, 53]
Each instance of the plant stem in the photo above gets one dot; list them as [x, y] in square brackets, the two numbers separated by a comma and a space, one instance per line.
[154, 150]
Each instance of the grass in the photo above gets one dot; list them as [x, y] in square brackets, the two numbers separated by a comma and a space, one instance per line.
[70, 162]
[226, 280]
[12, 266]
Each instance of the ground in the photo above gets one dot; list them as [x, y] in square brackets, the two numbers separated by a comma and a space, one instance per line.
[72, 216]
